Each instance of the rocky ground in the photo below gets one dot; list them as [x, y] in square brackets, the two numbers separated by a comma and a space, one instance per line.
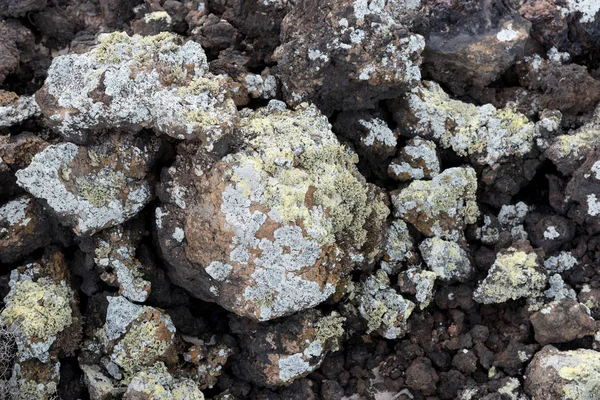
[300, 199]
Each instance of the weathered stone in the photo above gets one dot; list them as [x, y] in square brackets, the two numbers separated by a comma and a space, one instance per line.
[156, 383]
[90, 189]
[17, 47]
[418, 283]
[271, 229]
[19, 8]
[138, 82]
[561, 262]
[583, 189]
[446, 259]
[115, 253]
[562, 321]
[346, 54]
[441, 207]
[42, 310]
[35, 380]
[398, 248]
[23, 229]
[549, 232]
[15, 109]
[383, 309]
[99, 385]
[209, 361]
[558, 289]
[516, 273]
[279, 353]
[568, 375]
[417, 160]
[466, 53]
[485, 134]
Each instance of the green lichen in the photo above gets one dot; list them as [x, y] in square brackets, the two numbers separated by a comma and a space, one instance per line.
[101, 188]
[200, 85]
[514, 274]
[39, 310]
[583, 375]
[308, 176]
[330, 330]
[118, 46]
[157, 384]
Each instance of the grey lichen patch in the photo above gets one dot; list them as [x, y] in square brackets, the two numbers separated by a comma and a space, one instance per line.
[514, 274]
[419, 283]
[18, 110]
[87, 195]
[136, 82]
[561, 262]
[446, 259]
[417, 160]
[486, 134]
[37, 309]
[558, 289]
[158, 384]
[398, 247]
[441, 207]
[384, 310]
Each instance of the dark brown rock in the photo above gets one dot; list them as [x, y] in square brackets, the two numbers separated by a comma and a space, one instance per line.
[562, 321]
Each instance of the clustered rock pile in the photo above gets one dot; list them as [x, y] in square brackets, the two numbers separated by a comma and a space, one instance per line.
[303, 199]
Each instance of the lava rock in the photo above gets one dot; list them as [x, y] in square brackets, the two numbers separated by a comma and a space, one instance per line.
[418, 159]
[562, 321]
[447, 259]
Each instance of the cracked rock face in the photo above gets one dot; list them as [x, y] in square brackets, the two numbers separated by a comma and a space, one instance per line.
[90, 189]
[346, 54]
[138, 82]
[271, 229]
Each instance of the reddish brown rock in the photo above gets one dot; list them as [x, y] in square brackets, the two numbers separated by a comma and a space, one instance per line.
[562, 321]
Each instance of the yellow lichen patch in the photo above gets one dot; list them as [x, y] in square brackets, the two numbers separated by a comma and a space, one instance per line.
[584, 377]
[39, 310]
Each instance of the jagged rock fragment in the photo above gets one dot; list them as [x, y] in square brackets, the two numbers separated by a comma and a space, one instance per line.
[383, 309]
[446, 259]
[562, 321]
[568, 375]
[15, 109]
[23, 229]
[516, 273]
[346, 54]
[270, 229]
[417, 160]
[16, 47]
[115, 251]
[279, 353]
[138, 82]
[441, 207]
[93, 188]
[419, 283]
[583, 191]
[485, 134]
[35, 380]
[156, 383]
[398, 247]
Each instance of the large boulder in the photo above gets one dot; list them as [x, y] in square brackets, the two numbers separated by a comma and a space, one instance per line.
[272, 228]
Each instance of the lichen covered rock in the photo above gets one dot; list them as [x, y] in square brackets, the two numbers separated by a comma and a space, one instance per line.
[446, 259]
[568, 375]
[441, 207]
[270, 229]
[583, 192]
[156, 383]
[41, 309]
[34, 380]
[90, 189]
[279, 353]
[346, 54]
[138, 82]
[383, 309]
[417, 160]
[398, 247]
[15, 109]
[136, 337]
[115, 252]
[23, 229]
[516, 273]
[485, 134]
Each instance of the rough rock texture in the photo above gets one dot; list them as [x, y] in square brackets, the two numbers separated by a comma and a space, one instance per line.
[18, 8]
[15, 109]
[16, 47]
[569, 375]
[441, 207]
[516, 273]
[583, 189]
[23, 229]
[398, 248]
[287, 211]
[42, 310]
[277, 354]
[383, 309]
[417, 160]
[137, 82]
[93, 188]
[156, 383]
[447, 259]
[562, 321]
[474, 48]
[346, 54]
[485, 134]
[115, 252]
